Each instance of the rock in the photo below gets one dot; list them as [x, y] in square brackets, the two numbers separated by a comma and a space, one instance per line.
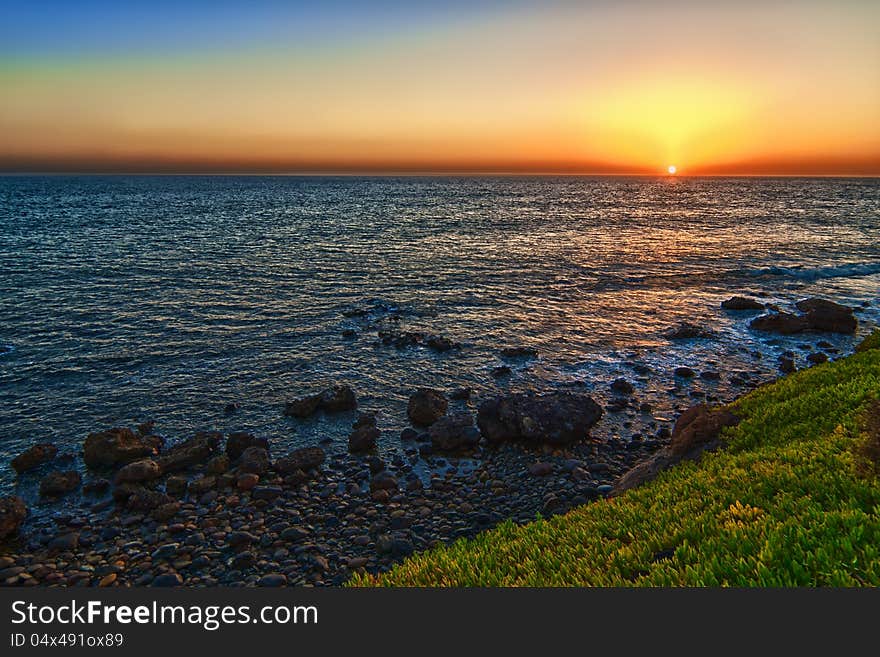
[827, 316]
[165, 512]
[304, 458]
[59, 483]
[247, 481]
[817, 357]
[167, 580]
[461, 394]
[335, 399]
[557, 418]
[176, 485]
[190, 452]
[786, 365]
[364, 433]
[454, 432]
[742, 303]
[144, 499]
[697, 429]
[540, 469]
[217, 465]
[710, 375]
[34, 456]
[293, 535]
[238, 441]
[230, 408]
[781, 322]
[426, 406]
[383, 481]
[501, 371]
[622, 387]
[96, 486]
[688, 331]
[107, 580]
[12, 513]
[201, 485]
[684, 372]
[266, 492]
[349, 333]
[439, 343]
[254, 460]
[106, 449]
[519, 352]
[409, 434]
[138, 471]
[64, 543]
[272, 580]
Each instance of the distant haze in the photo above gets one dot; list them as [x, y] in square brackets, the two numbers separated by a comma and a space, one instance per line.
[591, 87]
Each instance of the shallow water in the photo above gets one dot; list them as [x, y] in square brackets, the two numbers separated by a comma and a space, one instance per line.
[129, 298]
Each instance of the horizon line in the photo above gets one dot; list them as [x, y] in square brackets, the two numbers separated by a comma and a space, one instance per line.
[438, 173]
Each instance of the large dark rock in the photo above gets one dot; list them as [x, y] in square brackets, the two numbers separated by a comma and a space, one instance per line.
[56, 484]
[688, 331]
[426, 406]
[190, 452]
[254, 460]
[34, 456]
[364, 434]
[557, 418]
[698, 429]
[741, 303]
[12, 513]
[784, 323]
[335, 399]
[238, 441]
[107, 449]
[519, 352]
[304, 458]
[454, 432]
[827, 316]
[138, 471]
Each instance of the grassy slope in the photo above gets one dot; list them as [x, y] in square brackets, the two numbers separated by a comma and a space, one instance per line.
[781, 506]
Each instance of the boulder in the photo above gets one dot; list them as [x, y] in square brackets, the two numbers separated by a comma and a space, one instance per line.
[303, 407]
[335, 399]
[34, 456]
[426, 406]
[684, 372]
[254, 460]
[117, 446]
[439, 343]
[238, 441]
[56, 484]
[138, 471]
[557, 418]
[622, 387]
[12, 513]
[454, 432]
[364, 434]
[190, 452]
[827, 316]
[781, 322]
[519, 352]
[742, 303]
[304, 458]
[698, 429]
[687, 331]
[383, 481]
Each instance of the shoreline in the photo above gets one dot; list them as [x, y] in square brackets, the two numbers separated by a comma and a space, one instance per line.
[263, 524]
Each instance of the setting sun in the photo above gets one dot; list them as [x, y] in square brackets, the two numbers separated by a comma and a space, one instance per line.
[672, 169]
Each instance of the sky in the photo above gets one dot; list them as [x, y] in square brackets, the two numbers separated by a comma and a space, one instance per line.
[778, 87]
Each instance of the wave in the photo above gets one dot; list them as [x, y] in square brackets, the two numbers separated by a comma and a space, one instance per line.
[849, 270]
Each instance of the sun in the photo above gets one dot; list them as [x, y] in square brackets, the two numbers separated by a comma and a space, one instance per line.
[672, 169]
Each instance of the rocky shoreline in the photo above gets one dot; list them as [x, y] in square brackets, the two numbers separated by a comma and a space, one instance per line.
[219, 509]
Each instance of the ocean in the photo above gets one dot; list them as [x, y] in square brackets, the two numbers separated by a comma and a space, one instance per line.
[166, 298]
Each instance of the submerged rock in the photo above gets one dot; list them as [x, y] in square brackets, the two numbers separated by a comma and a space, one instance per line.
[138, 471]
[34, 457]
[828, 316]
[781, 322]
[519, 352]
[364, 433]
[56, 484]
[335, 399]
[454, 432]
[238, 441]
[556, 418]
[742, 303]
[304, 458]
[688, 331]
[190, 452]
[426, 406]
[12, 513]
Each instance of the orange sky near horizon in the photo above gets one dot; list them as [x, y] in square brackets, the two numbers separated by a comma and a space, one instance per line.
[776, 88]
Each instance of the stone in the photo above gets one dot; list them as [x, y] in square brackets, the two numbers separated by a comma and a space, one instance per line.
[217, 465]
[540, 469]
[96, 486]
[556, 418]
[34, 457]
[238, 441]
[409, 434]
[272, 580]
[167, 580]
[519, 352]
[364, 433]
[191, 452]
[622, 387]
[304, 458]
[684, 372]
[240, 538]
[461, 394]
[501, 371]
[64, 543]
[293, 535]
[247, 481]
[817, 357]
[781, 322]
[254, 460]
[56, 484]
[454, 432]
[266, 492]
[176, 485]
[426, 406]
[144, 499]
[828, 316]
[165, 512]
[303, 407]
[439, 343]
[107, 449]
[13, 512]
[383, 481]
[786, 365]
[201, 485]
[138, 471]
[688, 331]
[742, 303]
[336, 399]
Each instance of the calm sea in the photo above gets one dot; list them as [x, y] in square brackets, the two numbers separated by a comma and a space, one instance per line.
[125, 298]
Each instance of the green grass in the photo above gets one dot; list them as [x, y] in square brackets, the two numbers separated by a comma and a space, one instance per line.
[781, 505]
